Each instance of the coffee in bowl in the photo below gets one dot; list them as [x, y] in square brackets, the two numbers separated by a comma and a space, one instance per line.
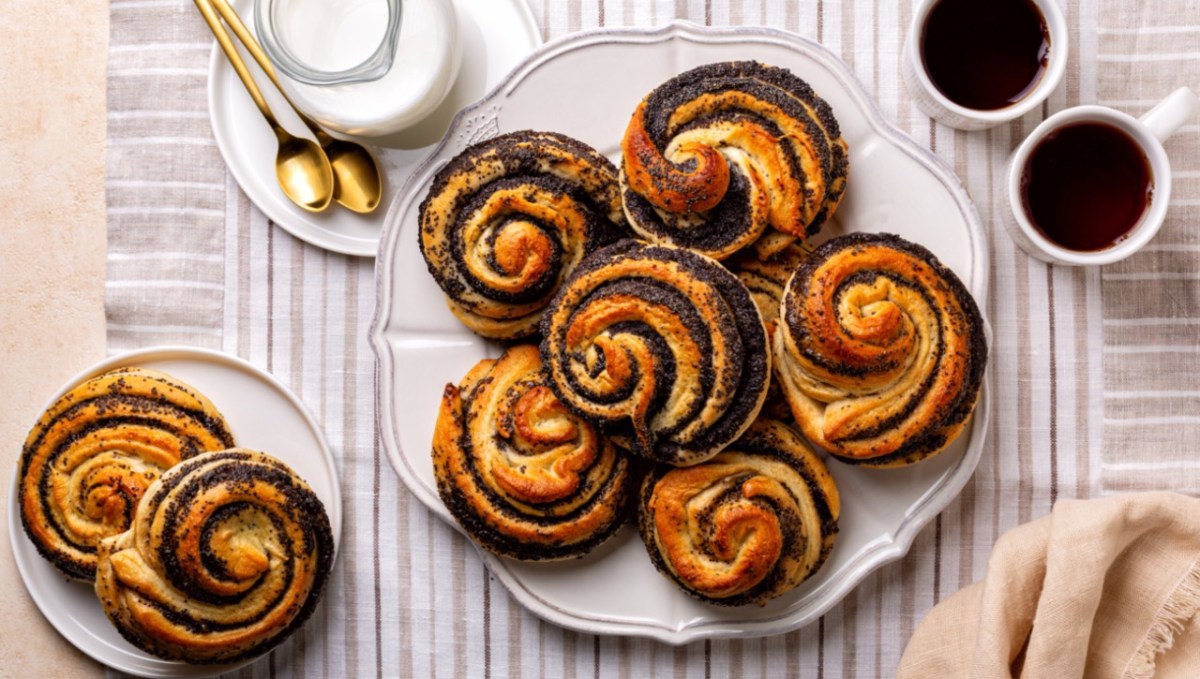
[973, 64]
[1091, 184]
[985, 55]
[1086, 185]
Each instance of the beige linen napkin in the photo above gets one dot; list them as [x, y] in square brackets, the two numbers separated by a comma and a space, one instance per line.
[1099, 588]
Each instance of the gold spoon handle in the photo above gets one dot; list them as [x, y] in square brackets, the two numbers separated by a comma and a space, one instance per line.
[235, 58]
[247, 39]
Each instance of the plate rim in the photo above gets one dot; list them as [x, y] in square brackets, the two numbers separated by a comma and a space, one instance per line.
[870, 560]
[343, 244]
[16, 529]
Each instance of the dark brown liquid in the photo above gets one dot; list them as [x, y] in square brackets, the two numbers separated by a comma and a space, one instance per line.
[1086, 185]
[984, 54]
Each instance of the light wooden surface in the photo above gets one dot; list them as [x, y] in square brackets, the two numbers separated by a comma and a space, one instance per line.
[52, 250]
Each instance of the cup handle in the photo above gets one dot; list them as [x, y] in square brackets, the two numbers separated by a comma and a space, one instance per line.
[1171, 113]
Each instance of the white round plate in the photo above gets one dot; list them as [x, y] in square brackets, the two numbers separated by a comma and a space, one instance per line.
[586, 86]
[262, 414]
[496, 35]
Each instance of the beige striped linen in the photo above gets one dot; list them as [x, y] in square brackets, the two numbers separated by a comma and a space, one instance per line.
[1151, 301]
[1091, 368]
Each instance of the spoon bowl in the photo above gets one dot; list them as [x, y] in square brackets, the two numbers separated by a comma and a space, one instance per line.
[357, 185]
[304, 172]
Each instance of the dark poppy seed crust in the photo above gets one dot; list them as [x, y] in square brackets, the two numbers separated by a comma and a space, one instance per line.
[228, 545]
[766, 278]
[661, 342]
[507, 220]
[769, 483]
[106, 441]
[878, 322]
[775, 158]
[523, 476]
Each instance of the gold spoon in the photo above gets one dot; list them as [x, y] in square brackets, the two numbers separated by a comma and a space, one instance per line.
[301, 166]
[357, 185]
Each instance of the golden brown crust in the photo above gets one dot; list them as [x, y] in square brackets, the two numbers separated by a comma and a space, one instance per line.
[663, 345]
[93, 453]
[521, 474]
[880, 350]
[226, 557]
[747, 525]
[716, 155]
[508, 219]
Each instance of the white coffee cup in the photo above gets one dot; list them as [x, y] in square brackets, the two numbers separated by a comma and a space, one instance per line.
[936, 105]
[1149, 132]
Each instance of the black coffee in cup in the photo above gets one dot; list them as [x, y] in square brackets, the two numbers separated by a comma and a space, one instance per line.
[1086, 185]
[985, 54]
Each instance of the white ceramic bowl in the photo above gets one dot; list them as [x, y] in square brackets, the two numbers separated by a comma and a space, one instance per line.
[936, 105]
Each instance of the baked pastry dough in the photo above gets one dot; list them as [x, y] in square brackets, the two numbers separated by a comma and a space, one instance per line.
[662, 344]
[508, 219]
[716, 155]
[747, 525]
[226, 557]
[521, 474]
[880, 350]
[93, 453]
[766, 279]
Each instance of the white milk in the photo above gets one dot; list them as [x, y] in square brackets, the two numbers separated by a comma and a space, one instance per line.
[334, 35]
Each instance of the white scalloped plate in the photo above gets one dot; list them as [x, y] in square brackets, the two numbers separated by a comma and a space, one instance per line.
[262, 414]
[586, 86]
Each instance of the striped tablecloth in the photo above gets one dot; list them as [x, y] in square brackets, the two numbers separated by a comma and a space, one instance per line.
[1093, 370]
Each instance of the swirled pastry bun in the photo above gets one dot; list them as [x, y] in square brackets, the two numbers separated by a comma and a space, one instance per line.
[880, 351]
[747, 525]
[663, 345]
[93, 453]
[723, 154]
[524, 476]
[766, 278]
[507, 220]
[226, 557]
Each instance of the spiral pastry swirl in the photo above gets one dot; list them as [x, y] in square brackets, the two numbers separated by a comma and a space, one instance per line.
[226, 557]
[766, 279]
[717, 154]
[93, 453]
[521, 474]
[881, 350]
[662, 344]
[747, 525]
[508, 219]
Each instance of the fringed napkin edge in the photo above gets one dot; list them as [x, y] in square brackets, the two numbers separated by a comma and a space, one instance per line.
[1180, 606]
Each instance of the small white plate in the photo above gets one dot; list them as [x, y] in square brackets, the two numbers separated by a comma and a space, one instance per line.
[586, 86]
[496, 35]
[263, 415]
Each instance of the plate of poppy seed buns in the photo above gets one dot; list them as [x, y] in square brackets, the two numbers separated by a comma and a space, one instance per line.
[681, 333]
[175, 513]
